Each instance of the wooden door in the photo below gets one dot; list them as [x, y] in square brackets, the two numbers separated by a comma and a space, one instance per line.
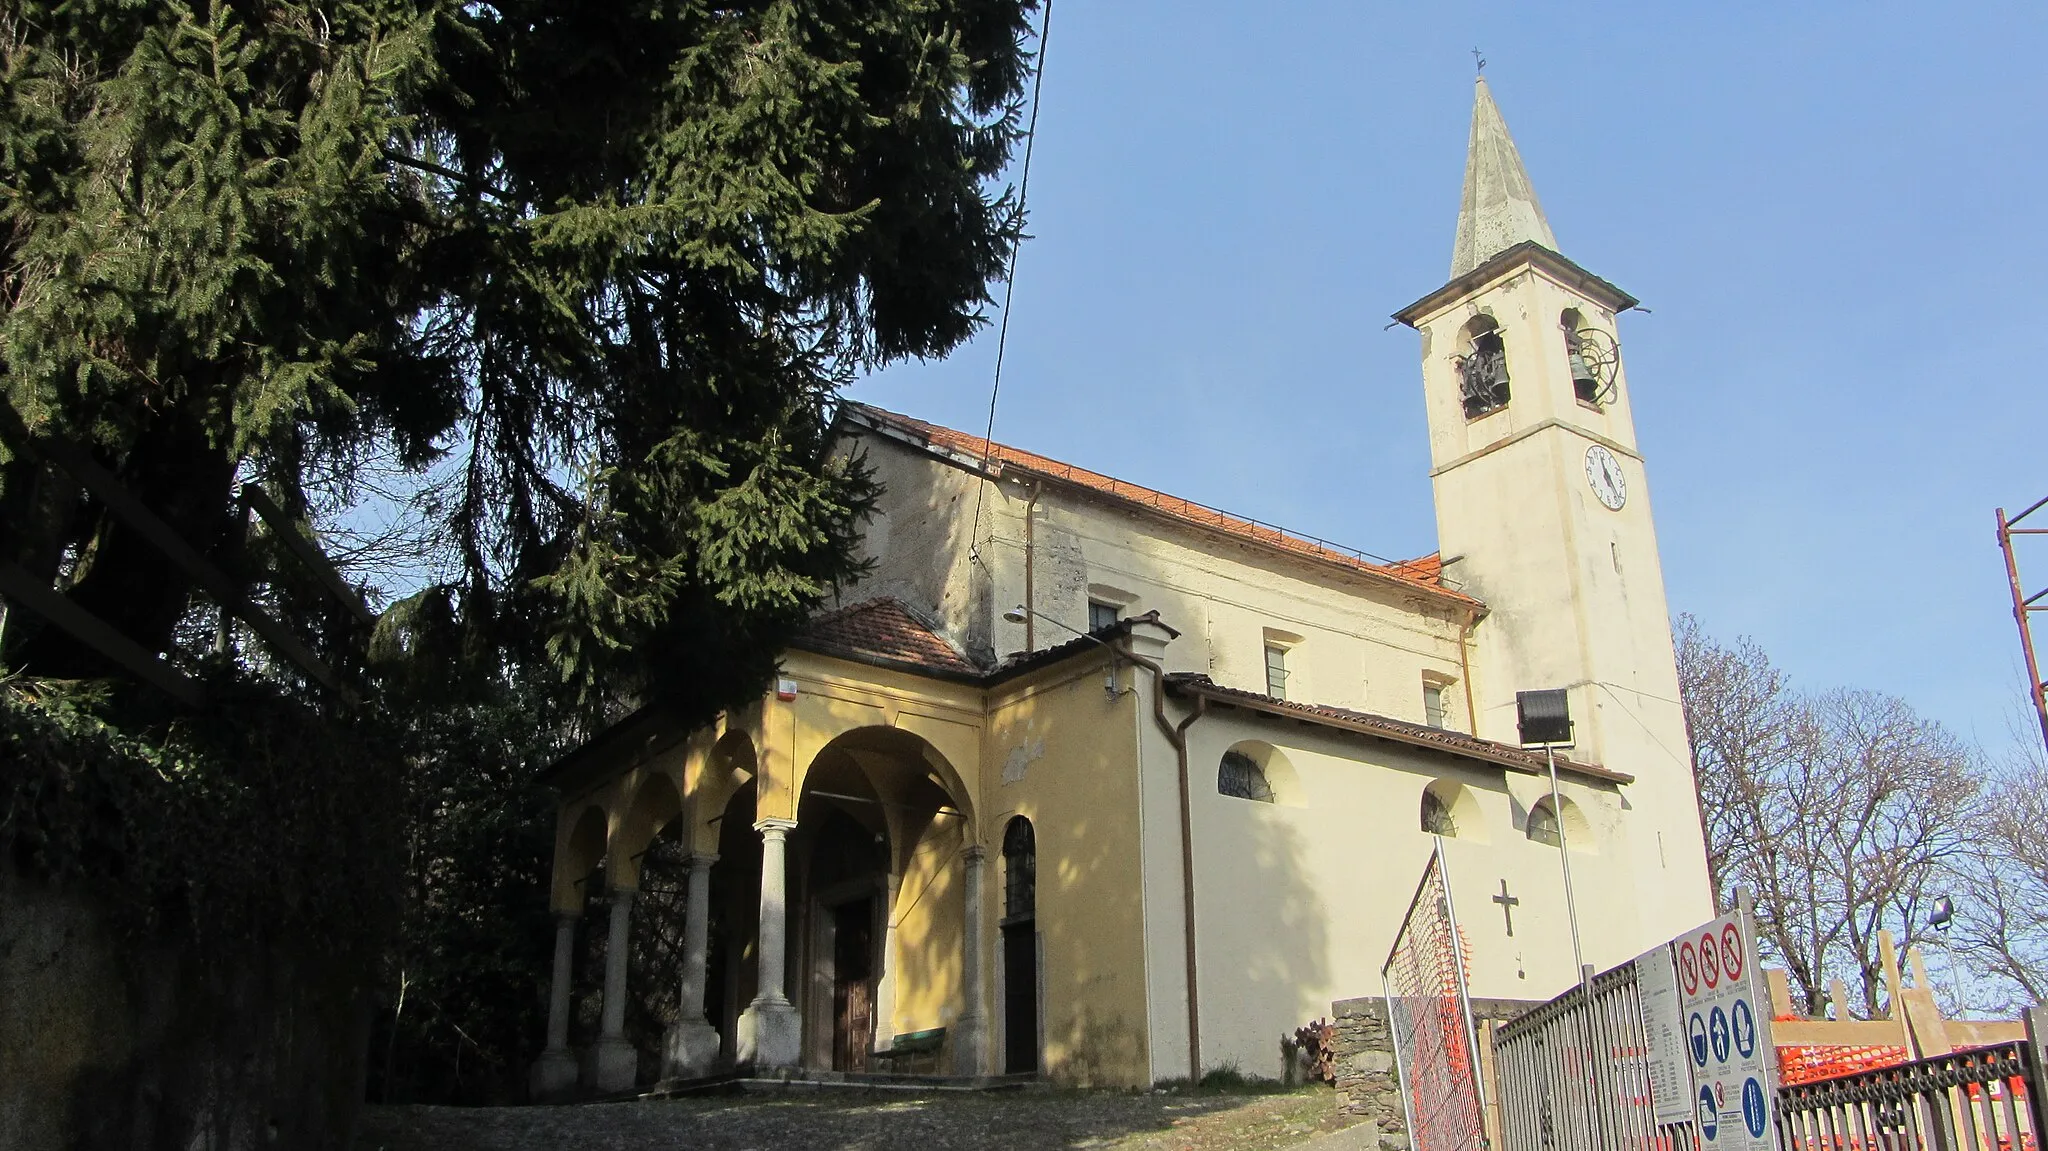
[853, 985]
[1020, 997]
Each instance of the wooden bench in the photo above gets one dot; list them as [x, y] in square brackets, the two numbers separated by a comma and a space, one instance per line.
[908, 1049]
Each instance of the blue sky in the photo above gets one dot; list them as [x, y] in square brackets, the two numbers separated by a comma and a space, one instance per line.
[1834, 212]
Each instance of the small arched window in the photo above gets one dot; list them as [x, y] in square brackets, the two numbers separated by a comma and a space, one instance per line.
[1483, 368]
[1543, 827]
[1436, 816]
[1240, 775]
[1020, 869]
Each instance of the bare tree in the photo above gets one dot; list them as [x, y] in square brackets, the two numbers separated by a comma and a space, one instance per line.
[2002, 888]
[1840, 811]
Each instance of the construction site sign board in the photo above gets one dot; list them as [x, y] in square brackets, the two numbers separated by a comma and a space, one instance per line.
[1727, 1035]
[1671, 1086]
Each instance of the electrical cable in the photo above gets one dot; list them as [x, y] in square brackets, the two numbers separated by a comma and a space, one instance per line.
[988, 443]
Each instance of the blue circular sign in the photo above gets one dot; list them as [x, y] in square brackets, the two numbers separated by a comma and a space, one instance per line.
[1696, 1038]
[1744, 1022]
[1754, 1114]
[1709, 1116]
[1717, 1030]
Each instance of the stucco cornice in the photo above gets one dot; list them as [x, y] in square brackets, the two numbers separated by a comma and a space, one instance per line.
[1528, 253]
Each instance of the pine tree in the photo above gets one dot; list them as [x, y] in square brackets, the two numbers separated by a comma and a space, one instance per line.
[599, 267]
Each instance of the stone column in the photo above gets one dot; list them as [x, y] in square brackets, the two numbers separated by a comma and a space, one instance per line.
[555, 1071]
[971, 1038]
[691, 1046]
[885, 987]
[614, 1063]
[771, 1035]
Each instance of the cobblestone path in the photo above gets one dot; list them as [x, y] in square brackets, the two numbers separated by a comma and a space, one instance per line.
[1035, 1121]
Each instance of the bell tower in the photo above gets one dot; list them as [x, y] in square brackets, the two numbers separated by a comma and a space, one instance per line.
[1543, 511]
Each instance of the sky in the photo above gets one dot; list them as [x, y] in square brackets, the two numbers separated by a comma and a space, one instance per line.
[1833, 214]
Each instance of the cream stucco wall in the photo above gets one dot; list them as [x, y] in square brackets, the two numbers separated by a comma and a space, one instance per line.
[1298, 902]
[1354, 641]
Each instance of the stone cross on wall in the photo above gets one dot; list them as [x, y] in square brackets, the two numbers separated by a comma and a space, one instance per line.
[1507, 906]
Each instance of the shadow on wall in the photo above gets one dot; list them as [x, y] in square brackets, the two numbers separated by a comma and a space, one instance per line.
[1094, 996]
[1264, 933]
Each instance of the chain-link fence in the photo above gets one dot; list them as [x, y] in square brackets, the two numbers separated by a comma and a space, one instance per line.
[1430, 1015]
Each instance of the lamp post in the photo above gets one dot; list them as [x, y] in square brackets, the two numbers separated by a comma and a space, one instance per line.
[1020, 614]
[1545, 718]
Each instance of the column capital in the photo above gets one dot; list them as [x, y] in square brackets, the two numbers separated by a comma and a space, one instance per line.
[974, 853]
[564, 918]
[780, 827]
[703, 859]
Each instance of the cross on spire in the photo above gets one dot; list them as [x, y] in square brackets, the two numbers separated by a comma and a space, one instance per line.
[1507, 906]
[1478, 60]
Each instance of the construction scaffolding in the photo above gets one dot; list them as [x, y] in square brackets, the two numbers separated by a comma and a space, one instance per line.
[2024, 605]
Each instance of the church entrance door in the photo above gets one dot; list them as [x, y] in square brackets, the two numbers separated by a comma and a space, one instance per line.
[853, 984]
[1020, 997]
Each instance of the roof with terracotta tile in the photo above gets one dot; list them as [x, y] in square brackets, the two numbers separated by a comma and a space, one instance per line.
[884, 629]
[1386, 727]
[1423, 574]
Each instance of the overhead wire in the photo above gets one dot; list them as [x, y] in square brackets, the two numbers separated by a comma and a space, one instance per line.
[988, 442]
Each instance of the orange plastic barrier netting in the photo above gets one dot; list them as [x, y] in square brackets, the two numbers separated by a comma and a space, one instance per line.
[1808, 1064]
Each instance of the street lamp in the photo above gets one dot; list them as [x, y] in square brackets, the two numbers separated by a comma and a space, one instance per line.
[1020, 614]
[1545, 717]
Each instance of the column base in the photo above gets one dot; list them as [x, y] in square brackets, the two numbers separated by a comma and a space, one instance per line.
[689, 1050]
[553, 1075]
[612, 1065]
[770, 1035]
[970, 1041]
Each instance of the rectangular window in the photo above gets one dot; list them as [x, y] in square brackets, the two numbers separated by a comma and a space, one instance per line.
[1276, 671]
[1102, 615]
[1433, 704]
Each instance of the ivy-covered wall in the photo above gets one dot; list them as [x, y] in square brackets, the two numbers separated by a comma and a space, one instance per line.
[190, 912]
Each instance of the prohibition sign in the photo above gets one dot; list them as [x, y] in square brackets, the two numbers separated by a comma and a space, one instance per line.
[1689, 967]
[1731, 953]
[1710, 961]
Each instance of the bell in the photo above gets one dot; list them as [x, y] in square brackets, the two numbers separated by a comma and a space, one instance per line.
[1583, 378]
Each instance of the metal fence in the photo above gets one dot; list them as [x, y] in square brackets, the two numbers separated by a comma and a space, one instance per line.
[1985, 1099]
[1430, 1016]
[1572, 1074]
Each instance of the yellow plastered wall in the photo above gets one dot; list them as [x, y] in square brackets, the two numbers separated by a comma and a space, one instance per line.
[1061, 755]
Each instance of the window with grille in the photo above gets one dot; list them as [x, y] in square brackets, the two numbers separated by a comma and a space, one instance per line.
[1543, 824]
[1102, 615]
[1433, 704]
[1436, 816]
[1276, 671]
[1020, 869]
[1240, 776]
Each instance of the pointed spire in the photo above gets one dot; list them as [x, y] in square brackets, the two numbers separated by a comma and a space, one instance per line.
[1499, 209]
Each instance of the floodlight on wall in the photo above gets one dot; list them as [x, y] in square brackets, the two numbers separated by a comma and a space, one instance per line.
[1544, 717]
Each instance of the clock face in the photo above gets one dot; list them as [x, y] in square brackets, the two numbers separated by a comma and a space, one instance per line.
[1603, 472]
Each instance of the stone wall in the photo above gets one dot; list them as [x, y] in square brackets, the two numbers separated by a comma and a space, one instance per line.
[1365, 1060]
[107, 1044]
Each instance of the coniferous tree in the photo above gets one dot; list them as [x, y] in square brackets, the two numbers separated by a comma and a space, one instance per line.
[596, 268]
[588, 277]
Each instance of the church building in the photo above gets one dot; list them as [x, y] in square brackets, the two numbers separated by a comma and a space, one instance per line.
[1094, 783]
